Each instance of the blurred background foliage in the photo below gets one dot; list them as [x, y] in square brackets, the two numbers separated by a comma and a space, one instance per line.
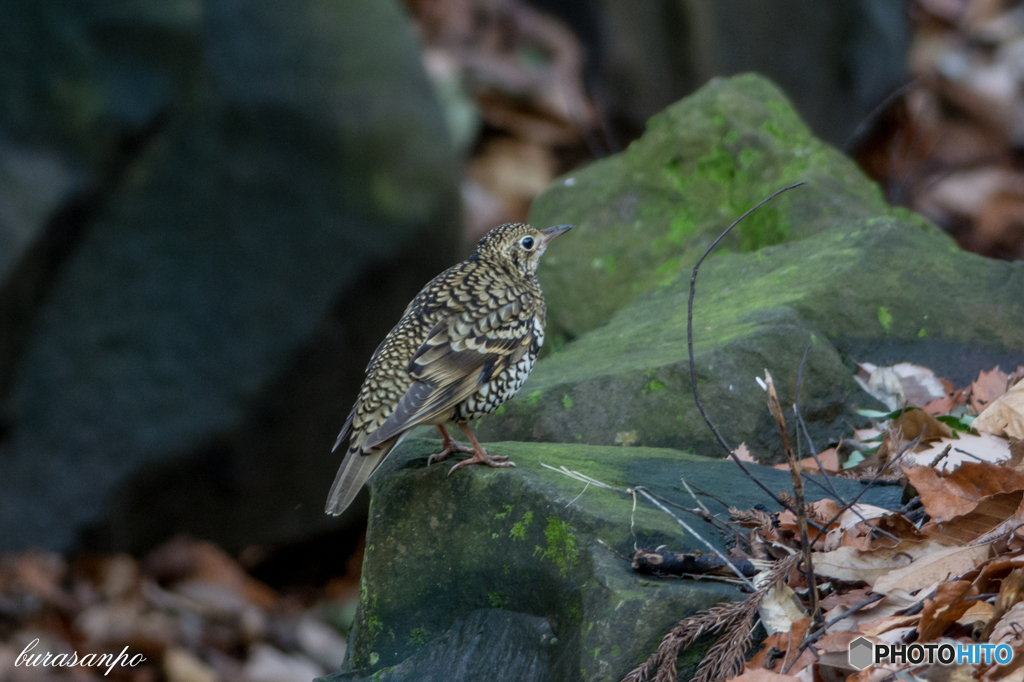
[211, 211]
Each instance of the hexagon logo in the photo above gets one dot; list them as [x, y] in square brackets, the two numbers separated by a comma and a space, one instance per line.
[862, 653]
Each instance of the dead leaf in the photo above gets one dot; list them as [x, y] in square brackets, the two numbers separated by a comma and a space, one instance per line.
[828, 458]
[743, 454]
[990, 513]
[987, 387]
[882, 625]
[780, 608]
[979, 611]
[946, 496]
[1007, 629]
[762, 675]
[883, 384]
[945, 608]
[912, 423]
[920, 385]
[852, 565]
[1005, 416]
[859, 527]
[936, 566]
[966, 448]
[891, 604]
[789, 643]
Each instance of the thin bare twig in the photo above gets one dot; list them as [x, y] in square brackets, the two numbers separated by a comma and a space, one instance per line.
[803, 426]
[798, 494]
[817, 634]
[693, 365]
[691, 531]
[702, 513]
[867, 486]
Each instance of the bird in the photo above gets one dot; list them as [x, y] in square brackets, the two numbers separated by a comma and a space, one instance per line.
[462, 348]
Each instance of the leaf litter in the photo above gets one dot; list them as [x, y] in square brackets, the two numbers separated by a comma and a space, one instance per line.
[947, 567]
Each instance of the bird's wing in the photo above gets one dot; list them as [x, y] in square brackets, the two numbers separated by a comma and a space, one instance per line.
[461, 354]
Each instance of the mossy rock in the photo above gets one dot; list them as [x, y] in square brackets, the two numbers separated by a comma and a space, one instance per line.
[526, 540]
[646, 214]
[880, 289]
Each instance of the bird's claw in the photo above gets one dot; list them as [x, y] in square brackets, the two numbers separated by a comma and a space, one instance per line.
[454, 447]
[497, 461]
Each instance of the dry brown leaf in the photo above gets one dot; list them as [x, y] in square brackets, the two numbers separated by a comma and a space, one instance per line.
[936, 566]
[1005, 416]
[845, 600]
[890, 605]
[947, 496]
[184, 559]
[787, 642]
[941, 406]
[941, 611]
[987, 387]
[852, 565]
[829, 459]
[743, 454]
[762, 675]
[858, 527]
[912, 423]
[1008, 629]
[889, 623]
[979, 611]
[990, 513]
[823, 510]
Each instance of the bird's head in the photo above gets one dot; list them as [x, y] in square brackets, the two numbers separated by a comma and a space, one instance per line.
[518, 246]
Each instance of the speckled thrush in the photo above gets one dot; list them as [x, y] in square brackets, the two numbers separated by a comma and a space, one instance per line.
[463, 347]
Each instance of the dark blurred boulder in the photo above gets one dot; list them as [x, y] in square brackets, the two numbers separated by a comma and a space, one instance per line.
[836, 60]
[265, 184]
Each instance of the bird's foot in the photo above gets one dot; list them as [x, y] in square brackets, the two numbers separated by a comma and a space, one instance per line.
[481, 457]
[449, 447]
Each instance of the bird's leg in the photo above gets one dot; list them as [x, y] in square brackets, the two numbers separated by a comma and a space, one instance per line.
[449, 446]
[480, 455]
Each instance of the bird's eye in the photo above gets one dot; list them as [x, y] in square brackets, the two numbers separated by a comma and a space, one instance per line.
[526, 243]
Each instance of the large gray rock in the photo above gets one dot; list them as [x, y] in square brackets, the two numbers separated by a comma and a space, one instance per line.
[295, 157]
[539, 545]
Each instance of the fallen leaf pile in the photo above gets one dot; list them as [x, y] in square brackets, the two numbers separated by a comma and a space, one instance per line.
[188, 608]
[947, 567]
[948, 145]
[510, 79]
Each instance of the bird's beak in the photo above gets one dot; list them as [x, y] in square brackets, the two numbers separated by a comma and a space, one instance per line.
[553, 232]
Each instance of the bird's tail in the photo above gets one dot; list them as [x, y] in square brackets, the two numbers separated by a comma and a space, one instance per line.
[353, 473]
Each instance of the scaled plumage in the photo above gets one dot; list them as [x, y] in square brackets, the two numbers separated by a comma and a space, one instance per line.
[463, 347]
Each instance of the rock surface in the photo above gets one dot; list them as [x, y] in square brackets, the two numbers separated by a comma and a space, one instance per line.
[526, 541]
[879, 289]
[834, 269]
[645, 215]
[293, 153]
[829, 266]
